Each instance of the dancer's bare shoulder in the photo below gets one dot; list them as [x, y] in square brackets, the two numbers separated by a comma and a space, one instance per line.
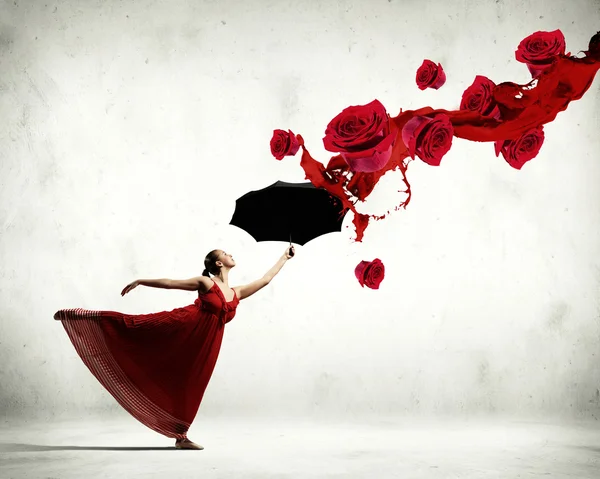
[204, 283]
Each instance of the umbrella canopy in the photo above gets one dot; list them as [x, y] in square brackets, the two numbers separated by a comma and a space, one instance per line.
[294, 212]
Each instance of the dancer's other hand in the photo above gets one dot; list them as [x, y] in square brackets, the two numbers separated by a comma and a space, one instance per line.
[129, 287]
[289, 252]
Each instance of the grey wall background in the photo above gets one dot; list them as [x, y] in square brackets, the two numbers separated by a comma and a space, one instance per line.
[129, 129]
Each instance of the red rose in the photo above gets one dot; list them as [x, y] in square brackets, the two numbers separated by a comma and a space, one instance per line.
[284, 143]
[370, 273]
[430, 75]
[429, 138]
[362, 135]
[520, 151]
[539, 50]
[479, 97]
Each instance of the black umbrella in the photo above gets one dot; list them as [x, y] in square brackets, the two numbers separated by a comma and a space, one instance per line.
[294, 212]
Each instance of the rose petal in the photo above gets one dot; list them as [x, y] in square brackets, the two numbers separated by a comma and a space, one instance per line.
[294, 144]
[498, 147]
[441, 78]
[371, 160]
[359, 270]
[410, 132]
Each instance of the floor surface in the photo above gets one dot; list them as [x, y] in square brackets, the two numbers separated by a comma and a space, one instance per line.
[271, 448]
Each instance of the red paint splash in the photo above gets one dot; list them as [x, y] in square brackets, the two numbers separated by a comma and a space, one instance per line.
[522, 108]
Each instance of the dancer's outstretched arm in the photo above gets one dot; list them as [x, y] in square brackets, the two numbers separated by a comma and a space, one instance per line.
[192, 284]
[249, 289]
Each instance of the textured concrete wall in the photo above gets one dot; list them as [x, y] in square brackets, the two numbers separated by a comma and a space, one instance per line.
[129, 129]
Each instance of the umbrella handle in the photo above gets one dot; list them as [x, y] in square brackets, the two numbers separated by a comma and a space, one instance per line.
[290, 251]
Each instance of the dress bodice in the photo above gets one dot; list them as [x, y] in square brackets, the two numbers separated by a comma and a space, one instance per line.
[214, 302]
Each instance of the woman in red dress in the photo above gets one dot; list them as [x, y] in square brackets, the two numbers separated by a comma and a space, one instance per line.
[158, 365]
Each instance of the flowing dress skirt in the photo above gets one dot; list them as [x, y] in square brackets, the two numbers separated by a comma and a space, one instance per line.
[157, 366]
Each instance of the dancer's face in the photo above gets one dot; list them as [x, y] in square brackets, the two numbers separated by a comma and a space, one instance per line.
[225, 259]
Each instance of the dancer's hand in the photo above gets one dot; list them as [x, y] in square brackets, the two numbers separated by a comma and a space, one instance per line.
[129, 287]
[289, 252]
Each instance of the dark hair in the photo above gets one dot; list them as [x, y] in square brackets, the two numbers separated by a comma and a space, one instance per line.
[210, 266]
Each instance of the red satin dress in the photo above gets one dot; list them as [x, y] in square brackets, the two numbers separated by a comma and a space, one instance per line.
[158, 365]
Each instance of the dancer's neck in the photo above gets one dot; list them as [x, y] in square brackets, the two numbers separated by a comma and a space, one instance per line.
[222, 278]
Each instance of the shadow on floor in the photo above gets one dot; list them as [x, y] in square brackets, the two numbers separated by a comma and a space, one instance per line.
[589, 448]
[15, 447]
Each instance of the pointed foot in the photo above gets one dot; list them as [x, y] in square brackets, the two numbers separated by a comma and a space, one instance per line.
[187, 444]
